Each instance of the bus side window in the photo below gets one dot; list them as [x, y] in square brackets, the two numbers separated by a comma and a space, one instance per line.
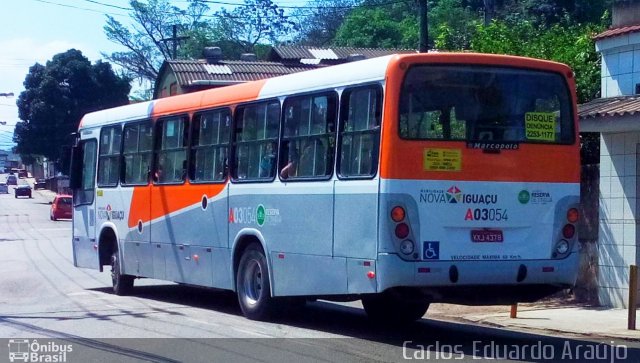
[308, 139]
[171, 162]
[254, 141]
[109, 156]
[137, 146]
[85, 192]
[360, 132]
[209, 146]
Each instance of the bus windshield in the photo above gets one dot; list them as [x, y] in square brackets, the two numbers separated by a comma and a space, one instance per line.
[485, 104]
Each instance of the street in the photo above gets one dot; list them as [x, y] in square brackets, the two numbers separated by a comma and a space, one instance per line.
[43, 296]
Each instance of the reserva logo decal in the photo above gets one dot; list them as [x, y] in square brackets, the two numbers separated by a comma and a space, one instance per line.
[454, 195]
[535, 197]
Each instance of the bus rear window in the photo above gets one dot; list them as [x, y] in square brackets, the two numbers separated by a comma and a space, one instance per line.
[489, 104]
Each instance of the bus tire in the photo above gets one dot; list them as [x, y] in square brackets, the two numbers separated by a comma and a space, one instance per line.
[122, 284]
[390, 309]
[253, 286]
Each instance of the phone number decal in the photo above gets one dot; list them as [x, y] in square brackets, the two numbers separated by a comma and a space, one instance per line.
[486, 214]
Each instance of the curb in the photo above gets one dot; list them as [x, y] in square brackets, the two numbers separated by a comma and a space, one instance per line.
[545, 331]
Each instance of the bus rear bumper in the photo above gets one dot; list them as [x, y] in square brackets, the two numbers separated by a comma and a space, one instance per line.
[477, 282]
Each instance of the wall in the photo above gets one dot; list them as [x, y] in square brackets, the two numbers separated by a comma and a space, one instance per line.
[620, 70]
[625, 13]
[618, 234]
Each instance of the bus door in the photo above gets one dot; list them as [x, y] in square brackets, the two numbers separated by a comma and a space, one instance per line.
[356, 188]
[137, 147]
[171, 199]
[85, 251]
[301, 214]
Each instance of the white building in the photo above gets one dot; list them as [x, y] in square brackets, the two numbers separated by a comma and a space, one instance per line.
[617, 117]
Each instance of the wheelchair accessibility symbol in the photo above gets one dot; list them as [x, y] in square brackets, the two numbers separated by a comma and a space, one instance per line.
[431, 250]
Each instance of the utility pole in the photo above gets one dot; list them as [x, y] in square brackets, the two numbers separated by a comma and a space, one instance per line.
[424, 26]
[175, 39]
[489, 7]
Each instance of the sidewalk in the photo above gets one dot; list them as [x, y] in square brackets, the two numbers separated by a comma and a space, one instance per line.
[549, 318]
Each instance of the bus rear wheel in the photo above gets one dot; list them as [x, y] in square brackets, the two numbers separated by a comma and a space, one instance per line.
[122, 284]
[253, 286]
[388, 308]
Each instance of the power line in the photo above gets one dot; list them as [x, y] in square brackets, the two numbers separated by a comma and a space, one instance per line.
[79, 8]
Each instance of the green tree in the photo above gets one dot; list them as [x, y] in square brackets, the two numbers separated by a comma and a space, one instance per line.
[319, 21]
[55, 98]
[145, 41]
[453, 24]
[377, 24]
[253, 23]
[565, 43]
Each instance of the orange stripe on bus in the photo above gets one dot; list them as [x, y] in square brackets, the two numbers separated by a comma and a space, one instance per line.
[208, 99]
[153, 201]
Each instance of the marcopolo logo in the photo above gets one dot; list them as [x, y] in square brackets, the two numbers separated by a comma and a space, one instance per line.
[24, 350]
[454, 195]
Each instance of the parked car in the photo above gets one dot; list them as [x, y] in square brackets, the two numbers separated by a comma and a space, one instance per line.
[23, 190]
[61, 207]
[40, 184]
[4, 189]
[12, 180]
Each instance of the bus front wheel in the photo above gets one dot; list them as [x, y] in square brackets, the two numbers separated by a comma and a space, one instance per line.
[253, 286]
[122, 284]
[391, 309]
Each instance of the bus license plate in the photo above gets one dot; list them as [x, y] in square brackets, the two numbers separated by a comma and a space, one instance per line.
[486, 235]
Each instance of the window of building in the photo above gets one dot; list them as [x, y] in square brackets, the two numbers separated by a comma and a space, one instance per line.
[137, 147]
[308, 138]
[210, 145]
[171, 156]
[109, 156]
[256, 141]
[360, 132]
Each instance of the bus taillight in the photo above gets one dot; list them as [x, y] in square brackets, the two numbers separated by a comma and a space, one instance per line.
[397, 214]
[402, 230]
[568, 231]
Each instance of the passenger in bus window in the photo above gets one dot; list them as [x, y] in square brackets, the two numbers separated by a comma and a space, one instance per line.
[268, 160]
[158, 175]
[291, 130]
[292, 161]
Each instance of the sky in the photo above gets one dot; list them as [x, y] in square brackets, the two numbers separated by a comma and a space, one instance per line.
[35, 30]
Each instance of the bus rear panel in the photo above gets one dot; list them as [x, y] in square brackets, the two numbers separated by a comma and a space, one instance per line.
[480, 184]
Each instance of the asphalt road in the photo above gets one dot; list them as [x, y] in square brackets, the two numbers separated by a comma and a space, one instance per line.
[44, 298]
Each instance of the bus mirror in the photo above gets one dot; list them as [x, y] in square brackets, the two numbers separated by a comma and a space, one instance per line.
[75, 180]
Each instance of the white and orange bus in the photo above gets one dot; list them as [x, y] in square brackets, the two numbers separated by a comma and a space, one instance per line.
[399, 180]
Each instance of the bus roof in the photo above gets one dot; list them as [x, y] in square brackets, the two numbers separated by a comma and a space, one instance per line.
[359, 72]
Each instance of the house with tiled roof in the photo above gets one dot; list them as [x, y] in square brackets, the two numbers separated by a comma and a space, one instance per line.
[327, 55]
[184, 76]
[616, 116]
